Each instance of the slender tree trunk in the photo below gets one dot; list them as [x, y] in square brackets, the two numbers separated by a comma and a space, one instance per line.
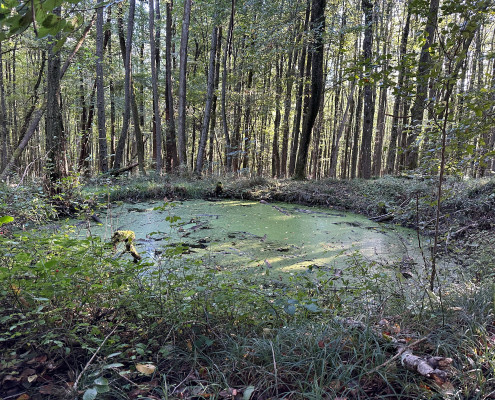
[369, 98]
[172, 160]
[392, 148]
[276, 123]
[102, 133]
[422, 77]
[247, 120]
[318, 27]
[296, 126]
[4, 133]
[357, 130]
[55, 135]
[335, 145]
[214, 102]
[228, 48]
[287, 111]
[154, 84]
[119, 152]
[208, 104]
[182, 83]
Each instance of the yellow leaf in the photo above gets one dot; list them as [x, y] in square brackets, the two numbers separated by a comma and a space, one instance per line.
[146, 369]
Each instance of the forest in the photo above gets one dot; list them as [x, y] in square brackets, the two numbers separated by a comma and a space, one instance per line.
[247, 199]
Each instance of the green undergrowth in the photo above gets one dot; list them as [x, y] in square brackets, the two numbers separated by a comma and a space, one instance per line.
[78, 319]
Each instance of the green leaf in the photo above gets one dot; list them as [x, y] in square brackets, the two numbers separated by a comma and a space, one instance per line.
[248, 392]
[90, 394]
[113, 365]
[101, 381]
[290, 309]
[311, 307]
[5, 220]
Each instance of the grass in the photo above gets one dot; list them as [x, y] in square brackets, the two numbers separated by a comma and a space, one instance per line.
[64, 301]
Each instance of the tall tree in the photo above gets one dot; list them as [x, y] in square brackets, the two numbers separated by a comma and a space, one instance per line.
[55, 134]
[369, 95]
[170, 139]
[154, 83]
[400, 93]
[4, 134]
[226, 54]
[422, 78]
[182, 83]
[208, 104]
[102, 133]
[318, 28]
[119, 152]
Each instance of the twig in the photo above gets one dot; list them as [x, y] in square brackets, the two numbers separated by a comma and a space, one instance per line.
[91, 359]
[399, 353]
[14, 395]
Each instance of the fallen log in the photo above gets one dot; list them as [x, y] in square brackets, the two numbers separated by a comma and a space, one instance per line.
[119, 171]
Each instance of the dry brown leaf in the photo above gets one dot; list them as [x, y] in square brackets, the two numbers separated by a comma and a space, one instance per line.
[146, 369]
[23, 396]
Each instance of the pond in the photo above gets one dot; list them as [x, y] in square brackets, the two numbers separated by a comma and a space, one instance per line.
[244, 234]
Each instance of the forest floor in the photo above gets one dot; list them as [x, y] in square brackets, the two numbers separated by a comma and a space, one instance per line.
[76, 322]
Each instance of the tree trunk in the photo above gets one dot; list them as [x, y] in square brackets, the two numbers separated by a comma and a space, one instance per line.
[318, 26]
[392, 147]
[422, 77]
[119, 152]
[154, 84]
[208, 104]
[369, 87]
[102, 134]
[230, 34]
[214, 102]
[182, 83]
[287, 110]
[172, 160]
[296, 126]
[55, 136]
[4, 133]
[276, 123]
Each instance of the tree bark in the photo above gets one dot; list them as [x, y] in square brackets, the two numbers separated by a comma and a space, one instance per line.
[119, 152]
[4, 133]
[392, 148]
[369, 98]
[296, 125]
[102, 134]
[230, 34]
[154, 84]
[55, 135]
[182, 83]
[276, 123]
[422, 78]
[318, 27]
[208, 104]
[172, 160]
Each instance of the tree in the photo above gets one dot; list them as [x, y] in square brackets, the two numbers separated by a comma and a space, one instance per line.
[369, 95]
[182, 83]
[102, 134]
[318, 28]
[119, 151]
[208, 103]
[154, 83]
[422, 78]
